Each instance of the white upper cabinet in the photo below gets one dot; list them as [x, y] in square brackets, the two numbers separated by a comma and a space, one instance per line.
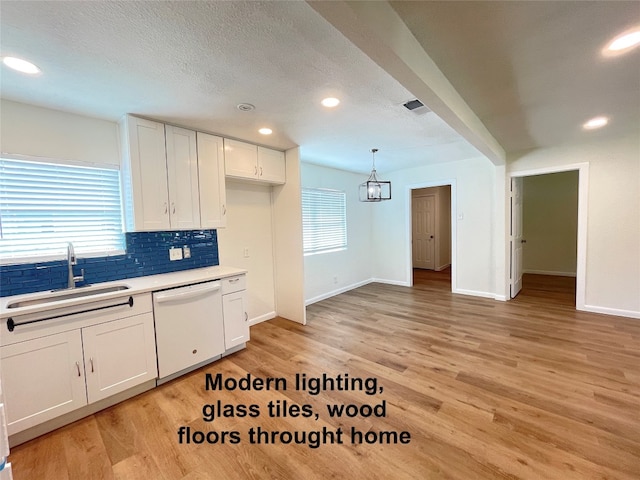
[182, 178]
[271, 166]
[213, 209]
[166, 185]
[144, 175]
[250, 162]
[240, 159]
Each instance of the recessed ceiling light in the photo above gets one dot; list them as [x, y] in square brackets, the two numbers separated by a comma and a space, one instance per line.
[265, 131]
[330, 102]
[21, 65]
[595, 122]
[623, 43]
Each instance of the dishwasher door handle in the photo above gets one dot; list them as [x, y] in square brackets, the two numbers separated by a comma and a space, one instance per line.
[177, 296]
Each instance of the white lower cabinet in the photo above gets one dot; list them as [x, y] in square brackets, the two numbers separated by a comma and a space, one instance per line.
[42, 379]
[118, 355]
[236, 323]
[234, 311]
[46, 374]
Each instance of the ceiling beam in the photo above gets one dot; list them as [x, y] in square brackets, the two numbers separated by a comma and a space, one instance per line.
[377, 29]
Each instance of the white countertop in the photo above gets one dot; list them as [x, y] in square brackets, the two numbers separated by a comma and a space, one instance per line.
[135, 286]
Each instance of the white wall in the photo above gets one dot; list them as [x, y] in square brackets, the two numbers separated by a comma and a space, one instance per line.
[249, 226]
[40, 132]
[613, 223]
[550, 223]
[353, 267]
[474, 263]
[287, 230]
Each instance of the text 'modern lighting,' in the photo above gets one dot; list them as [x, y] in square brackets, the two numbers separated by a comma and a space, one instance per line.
[374, 190]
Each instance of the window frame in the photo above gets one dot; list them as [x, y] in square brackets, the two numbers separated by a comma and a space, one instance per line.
[344, 229]
[27, 259]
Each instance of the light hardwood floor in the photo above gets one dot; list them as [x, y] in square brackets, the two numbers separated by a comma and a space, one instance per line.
[526, 389]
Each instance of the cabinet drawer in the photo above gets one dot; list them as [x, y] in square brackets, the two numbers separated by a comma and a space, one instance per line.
[51, 322]
[234, 284]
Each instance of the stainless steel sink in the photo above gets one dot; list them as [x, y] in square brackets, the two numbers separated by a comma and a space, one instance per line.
[60, 295]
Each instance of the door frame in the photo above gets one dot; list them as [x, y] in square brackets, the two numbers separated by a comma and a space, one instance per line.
[583, 196]
[409, 227]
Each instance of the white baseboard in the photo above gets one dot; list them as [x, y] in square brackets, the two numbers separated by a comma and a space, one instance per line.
[611, 311]
[338, 291]
[442, 267]
[391, 282]
[500, 298]
[262, 318]
[475, 293]
[549, 272]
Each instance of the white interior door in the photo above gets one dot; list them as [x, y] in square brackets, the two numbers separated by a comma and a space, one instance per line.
[423, 212]
[516, 236]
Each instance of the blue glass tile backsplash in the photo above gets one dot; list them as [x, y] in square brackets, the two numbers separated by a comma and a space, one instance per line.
[147, 254]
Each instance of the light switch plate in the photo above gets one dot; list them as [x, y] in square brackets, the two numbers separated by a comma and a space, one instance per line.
[175, 254]
[186, 251]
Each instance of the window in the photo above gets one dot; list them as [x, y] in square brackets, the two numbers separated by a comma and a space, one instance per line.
[45, 205]
[324, 220]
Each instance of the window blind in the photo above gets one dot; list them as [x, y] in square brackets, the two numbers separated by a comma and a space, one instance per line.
[324, 220]
[45, 205]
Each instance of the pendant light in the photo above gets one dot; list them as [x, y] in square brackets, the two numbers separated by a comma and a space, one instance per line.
[374, 190]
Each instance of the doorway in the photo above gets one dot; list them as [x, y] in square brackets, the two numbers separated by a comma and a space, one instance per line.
[431, 236]
[547, 232]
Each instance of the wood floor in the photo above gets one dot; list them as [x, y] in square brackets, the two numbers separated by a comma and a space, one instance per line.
[527, 389]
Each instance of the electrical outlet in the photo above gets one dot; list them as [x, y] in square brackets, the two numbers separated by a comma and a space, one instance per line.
[175, 254]
[335, 279]
[246, 253]
[186, 251]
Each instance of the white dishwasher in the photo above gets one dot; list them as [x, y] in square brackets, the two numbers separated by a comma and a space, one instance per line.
[189, 327]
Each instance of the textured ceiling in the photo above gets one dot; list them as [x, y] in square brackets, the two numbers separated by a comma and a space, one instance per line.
[530, 71]
[191, 63]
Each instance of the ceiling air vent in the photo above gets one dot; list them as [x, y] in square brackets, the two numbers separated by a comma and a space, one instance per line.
[245, 107]
[415, 106]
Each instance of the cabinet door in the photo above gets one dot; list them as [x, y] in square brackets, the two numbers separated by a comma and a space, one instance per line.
[182, 175]
[42, 379]
[271, 166]
[213, 195]
[240, 159]
[119, 355]
[236, 322]
[145, 165]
